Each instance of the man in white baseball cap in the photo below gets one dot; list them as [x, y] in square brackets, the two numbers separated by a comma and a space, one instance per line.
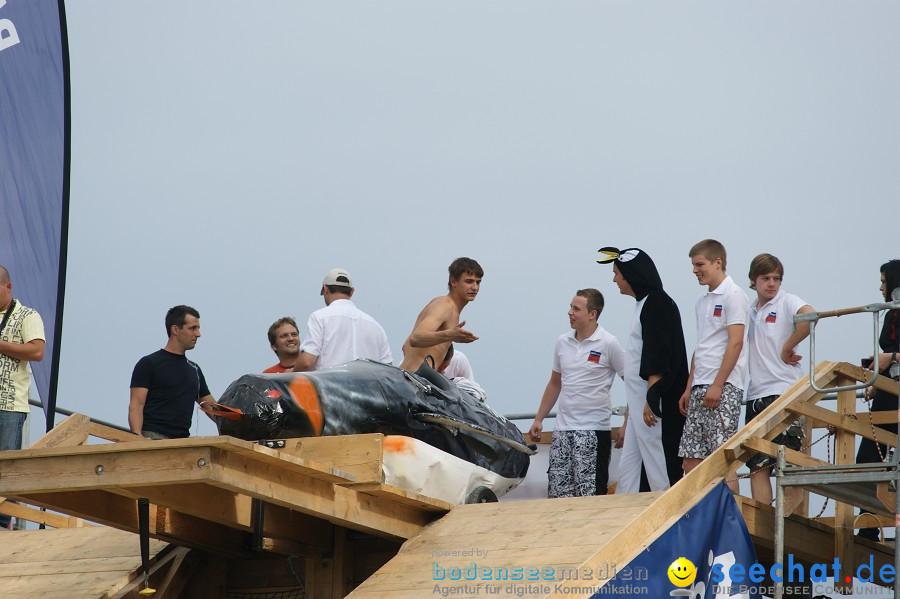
[340, 332]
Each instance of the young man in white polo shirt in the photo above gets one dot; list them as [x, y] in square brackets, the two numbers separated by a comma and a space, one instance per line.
[773, 361]
[585, 362]
[715, 388]
[340, 332]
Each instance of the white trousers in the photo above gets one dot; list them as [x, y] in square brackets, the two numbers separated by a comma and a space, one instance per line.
[642, 444]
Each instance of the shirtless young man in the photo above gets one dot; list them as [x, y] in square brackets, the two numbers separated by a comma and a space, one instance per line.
[438, 325]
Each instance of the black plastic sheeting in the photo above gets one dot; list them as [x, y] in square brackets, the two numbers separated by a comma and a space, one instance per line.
[369, 397]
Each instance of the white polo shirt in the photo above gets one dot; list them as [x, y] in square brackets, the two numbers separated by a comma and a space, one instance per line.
[770, 326]
[587, 369]
[341, 332]
[716, 311]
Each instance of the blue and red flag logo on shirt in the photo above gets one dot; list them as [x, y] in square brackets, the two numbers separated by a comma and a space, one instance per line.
[594, 356]
[770, 317]
[717, 310]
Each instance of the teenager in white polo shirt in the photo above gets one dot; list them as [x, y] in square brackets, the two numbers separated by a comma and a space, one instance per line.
[585, 362]
[773, 361]
[715, 388]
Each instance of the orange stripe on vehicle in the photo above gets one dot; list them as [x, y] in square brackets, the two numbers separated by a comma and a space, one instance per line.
[305, 395]
[399, 444]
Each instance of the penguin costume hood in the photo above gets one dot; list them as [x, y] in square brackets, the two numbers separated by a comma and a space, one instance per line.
[637, 268]
[663, 351]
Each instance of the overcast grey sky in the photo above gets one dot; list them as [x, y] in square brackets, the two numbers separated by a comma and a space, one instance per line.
[227, 154]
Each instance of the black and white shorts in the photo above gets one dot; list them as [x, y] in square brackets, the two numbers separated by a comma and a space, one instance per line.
[579, 463]
[706, 430]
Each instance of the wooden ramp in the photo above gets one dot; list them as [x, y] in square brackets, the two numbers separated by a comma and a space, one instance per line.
[558, 533]
[609, 532]
[91, 562]
[315, 515]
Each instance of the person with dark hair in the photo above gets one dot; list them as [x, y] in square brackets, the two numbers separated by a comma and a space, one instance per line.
[165, 384]
[340, 332]
[284, 337]
[888, 364]
[773, 363]
[585, 363]
[21, 342]
[656, 372]
[438, 325]
[715, 389]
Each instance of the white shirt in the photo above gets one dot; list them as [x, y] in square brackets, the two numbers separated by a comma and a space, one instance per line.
[770, 326]
[341, 332]
[716, 311]
[459, 367]
[587, 370]
[635, 386]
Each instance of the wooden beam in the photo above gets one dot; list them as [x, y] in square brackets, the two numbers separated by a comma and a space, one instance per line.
[112, 434]
[797, 458]
[878, 417]
[161, 572]
[32, 473]
[167, 525]
[71, 431]
[230, 444]
[845, 421]
[319, 498]
[774, 419]
[360, 455]
[24, 512]
[861, 375]
[845, 444]
[234, 510]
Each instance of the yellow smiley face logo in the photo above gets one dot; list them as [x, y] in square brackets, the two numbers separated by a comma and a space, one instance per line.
[682, 572]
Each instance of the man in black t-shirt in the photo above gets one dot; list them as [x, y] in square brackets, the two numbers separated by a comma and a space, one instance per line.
[165, 384]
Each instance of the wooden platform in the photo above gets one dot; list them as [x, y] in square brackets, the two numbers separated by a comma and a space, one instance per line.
[330, 525]
[542, 533]
[90, 562]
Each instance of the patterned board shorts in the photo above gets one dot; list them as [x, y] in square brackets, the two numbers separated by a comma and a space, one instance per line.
[792, 437]
[579, 463]
[706, 430]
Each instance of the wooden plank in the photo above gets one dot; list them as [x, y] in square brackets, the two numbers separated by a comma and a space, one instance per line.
[845, 421]
[157, 448]
[112, 434]
[774, 419]
[513, 534]
[845, 444]
[315, 497]
[81, 562]
[169, 525]
[878, 417]
[359, 455]
[161, 574]
[861, 375]
[797, 458]
[24, 512]
[402, 496]
[231, 509]
[71, 431]
[37, 474]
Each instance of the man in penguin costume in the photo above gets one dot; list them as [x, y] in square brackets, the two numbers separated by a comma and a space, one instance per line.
[656, 372]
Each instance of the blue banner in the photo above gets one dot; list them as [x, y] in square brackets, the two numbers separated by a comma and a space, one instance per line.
[34, 158]
[695, 557]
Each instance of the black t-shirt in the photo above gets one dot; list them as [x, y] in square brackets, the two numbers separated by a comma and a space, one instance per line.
[174, 384]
